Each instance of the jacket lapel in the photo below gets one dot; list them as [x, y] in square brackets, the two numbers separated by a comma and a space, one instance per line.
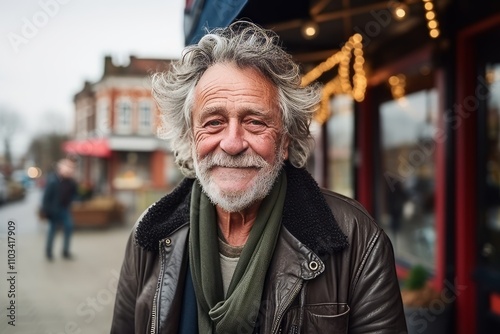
[292, 264]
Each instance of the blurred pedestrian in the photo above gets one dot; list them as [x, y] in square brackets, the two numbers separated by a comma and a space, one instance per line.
[60, 191]
[248, 242]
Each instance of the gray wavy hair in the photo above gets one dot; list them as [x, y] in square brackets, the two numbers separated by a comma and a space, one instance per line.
[245, 45]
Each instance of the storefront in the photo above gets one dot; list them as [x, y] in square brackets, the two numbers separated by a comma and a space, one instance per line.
[477, 176]
[421, 149]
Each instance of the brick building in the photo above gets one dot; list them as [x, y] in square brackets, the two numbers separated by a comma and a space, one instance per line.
[115, 127]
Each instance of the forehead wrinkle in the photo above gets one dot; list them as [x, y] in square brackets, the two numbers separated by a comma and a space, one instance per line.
[248, 100]
[245, 91]
[232, 94]
[213, 86]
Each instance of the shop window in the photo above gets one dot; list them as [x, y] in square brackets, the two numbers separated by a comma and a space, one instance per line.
[490, 242]
[340, 129]
[133, 170]
[406, 195]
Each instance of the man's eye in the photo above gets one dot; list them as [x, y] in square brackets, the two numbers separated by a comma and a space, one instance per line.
[214, 123]
[256, 122]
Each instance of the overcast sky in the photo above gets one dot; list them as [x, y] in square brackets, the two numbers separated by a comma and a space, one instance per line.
[48, 48]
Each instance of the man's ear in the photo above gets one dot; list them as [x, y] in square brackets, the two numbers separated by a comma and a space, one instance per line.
[284, 147]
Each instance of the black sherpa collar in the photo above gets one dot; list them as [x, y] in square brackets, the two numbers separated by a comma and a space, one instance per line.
[305, 214]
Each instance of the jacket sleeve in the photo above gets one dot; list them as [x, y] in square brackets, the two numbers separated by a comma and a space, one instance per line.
[124, 310]
[74, 191]
[376, 305]
[49, 196]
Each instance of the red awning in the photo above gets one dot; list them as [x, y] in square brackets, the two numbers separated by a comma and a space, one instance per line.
[95, 147]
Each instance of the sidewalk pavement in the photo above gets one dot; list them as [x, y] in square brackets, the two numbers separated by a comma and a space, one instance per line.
[64, 296]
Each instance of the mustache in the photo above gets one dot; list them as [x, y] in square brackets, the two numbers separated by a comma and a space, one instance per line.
[231, 161]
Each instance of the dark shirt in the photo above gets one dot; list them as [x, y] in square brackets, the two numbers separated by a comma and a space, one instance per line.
[59, 193]
[67, 191]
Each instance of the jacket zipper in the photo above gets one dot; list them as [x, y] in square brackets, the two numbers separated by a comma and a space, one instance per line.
[282, 310]
[155, 298]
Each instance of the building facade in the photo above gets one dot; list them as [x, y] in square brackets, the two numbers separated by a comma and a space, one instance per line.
[115, 132]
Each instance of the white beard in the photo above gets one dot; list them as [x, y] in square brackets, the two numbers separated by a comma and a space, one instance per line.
[235, 201]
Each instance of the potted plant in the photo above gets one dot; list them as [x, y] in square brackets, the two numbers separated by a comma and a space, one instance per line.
[427, 310]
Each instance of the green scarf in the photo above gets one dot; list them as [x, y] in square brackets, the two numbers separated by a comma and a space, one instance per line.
[239, 309]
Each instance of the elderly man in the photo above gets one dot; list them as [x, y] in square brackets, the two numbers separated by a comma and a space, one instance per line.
[248, 242]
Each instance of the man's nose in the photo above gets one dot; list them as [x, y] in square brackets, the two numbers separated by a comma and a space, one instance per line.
[234, 141]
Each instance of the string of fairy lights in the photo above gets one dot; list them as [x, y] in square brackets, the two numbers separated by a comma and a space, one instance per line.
[398, 85]
[356, 86]
[430, 15]
[341, 83]
[398, 82]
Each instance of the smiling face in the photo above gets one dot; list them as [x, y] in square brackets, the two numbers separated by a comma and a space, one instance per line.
[239, 145]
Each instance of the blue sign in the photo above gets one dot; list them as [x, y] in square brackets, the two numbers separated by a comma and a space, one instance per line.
[203, 15]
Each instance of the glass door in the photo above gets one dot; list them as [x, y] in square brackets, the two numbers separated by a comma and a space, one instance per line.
[488, 254]
[407, 178]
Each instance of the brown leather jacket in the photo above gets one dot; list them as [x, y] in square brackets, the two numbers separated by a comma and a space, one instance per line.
[332, 270]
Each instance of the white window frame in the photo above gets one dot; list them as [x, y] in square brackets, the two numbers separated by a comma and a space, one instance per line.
[124, 122]
[145, 122]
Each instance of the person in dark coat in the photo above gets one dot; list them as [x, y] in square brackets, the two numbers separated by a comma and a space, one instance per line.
[59, 193]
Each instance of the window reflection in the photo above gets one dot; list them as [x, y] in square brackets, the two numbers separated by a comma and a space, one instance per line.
[340, 129]
[408, 183]
[491, 247]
